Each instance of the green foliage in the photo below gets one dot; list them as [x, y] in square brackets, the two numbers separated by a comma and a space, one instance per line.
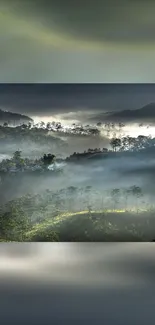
[17, 155]
[115, 143]
[83, 227]
[13, 224]
[43, 236]
[43, 217]
[48, 159]
[56, 216]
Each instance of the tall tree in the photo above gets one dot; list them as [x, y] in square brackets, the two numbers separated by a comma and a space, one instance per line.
[115, 143]
[115, 193]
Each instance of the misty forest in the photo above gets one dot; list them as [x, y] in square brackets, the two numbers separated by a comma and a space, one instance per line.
[76, 182]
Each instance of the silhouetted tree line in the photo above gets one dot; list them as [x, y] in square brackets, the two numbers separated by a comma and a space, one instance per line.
[48, 159]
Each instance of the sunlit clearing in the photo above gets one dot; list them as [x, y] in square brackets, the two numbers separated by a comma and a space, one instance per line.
[135, 130]
[45, 119]
[55, 118]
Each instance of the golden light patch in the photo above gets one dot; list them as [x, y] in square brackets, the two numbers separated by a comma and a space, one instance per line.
[13, 23]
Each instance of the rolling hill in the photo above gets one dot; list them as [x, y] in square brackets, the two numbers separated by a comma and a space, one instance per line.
[13, 118]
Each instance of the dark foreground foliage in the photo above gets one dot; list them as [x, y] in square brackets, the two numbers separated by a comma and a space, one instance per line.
[51, 218]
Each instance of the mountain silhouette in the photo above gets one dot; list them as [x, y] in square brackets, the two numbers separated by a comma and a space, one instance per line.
[145, 113]
[13, 118]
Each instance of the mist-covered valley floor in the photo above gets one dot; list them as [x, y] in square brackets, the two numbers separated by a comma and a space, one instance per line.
[76, 186]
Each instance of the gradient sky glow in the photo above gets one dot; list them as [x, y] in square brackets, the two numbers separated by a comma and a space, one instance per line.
[63, 41]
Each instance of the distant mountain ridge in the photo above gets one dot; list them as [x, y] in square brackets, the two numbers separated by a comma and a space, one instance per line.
[145, 113]
[141, 115]
[13, 118]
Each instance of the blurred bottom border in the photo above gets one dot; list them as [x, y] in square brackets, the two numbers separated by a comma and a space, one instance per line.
[41, 283]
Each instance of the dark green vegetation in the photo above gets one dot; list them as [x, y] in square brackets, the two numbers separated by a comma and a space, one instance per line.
[78, 214]
[34, 136]
[86, 213]
[86, 226]
[30, 139]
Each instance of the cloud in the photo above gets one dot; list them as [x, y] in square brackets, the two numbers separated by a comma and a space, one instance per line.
[60, 41]
[103, 21]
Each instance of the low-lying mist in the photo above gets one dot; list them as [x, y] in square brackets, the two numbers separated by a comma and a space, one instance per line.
[89, 173]
[115, 171]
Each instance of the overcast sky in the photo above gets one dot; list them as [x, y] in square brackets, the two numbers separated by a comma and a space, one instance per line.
[77, 41]
[48, 99]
